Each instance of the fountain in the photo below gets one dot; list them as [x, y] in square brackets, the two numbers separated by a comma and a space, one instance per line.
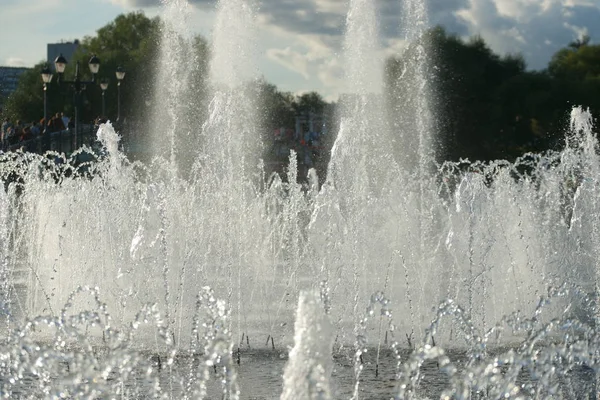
[410, 279]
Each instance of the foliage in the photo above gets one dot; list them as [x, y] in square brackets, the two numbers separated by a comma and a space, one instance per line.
[131, 42]
[491, 107]
[576, 71]
[27, 102]
[279, 110]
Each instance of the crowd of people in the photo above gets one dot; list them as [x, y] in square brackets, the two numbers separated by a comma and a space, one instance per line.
[305, 139]
[20, 134]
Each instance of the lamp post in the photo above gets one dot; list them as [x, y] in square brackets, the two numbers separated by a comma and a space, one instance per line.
[77, 84]
[46, 78]
[120, 73]
[80, 85]
[103, 86]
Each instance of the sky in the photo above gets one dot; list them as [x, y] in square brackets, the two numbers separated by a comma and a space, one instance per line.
[299, 41]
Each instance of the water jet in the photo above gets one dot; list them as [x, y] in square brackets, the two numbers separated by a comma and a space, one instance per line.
[498, 265]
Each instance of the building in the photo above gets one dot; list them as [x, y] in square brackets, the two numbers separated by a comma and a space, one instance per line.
[67, 49]
[9, 81]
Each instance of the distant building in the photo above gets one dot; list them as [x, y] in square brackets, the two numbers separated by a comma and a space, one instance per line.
[67, 49]
[9, 80]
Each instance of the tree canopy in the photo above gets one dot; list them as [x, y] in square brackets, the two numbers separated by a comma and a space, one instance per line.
[491, 107]
[130, 41]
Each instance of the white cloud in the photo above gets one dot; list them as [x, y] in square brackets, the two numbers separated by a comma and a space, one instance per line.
[535, 28]
[518, 9]
[15, 62]
[394, 46]
[331, 98]
[313, 56]
[330, 74]
[331, 6]
[514, 34]
[579, 31]
[292, 60]
[135, 4]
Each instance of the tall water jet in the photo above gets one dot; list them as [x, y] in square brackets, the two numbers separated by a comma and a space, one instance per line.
[360, 161]
[6, 289]
[413, 130]
[359, 173]
[414, 118]
[584, 192]
[229, 152]
[228, 166]
[178, 104]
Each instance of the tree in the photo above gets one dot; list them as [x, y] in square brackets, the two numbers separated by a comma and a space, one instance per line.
[576, 63]
[27, 102]
[575, 72]
[580, 42]
[131, 42]
[309, 102]
[465, 77]
[276, 108]
[487, 106]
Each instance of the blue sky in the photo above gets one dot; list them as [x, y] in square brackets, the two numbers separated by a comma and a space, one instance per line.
[299, 41]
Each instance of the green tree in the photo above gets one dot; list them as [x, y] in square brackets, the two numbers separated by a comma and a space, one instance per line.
[27, 102]
[576, 63]
[309, 102]
[276, 108]
[131, 42]
[576, 71]
[467, 82]
[489, 107]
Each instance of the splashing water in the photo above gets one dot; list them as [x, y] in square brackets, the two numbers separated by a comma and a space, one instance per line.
[490, 269]
[310, 365]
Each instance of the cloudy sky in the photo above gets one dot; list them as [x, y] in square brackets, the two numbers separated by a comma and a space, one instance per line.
[299, 41]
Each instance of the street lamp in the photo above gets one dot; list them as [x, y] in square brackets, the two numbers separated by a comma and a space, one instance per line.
[77, 84]
[46, 78]
[120, 73]
[60, 63]
[103, 86]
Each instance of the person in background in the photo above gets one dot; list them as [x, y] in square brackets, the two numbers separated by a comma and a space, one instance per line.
[43, 125]
[12, 136]
[4, 129]
[18, 131]
[25, 134]
[56, 124]
[35, 129]
[65, 120]
[58, 121]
